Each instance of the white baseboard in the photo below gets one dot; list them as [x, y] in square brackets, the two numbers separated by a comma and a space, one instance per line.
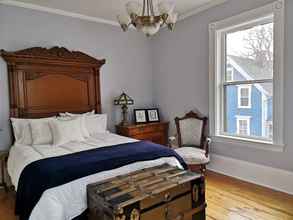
[277, 179]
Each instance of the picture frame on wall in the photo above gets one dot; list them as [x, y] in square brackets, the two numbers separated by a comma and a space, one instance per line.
[153, 115]
[140, 116]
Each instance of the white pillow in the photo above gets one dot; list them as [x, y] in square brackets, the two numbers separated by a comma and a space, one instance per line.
[21, 130]
[73, 114]
[94, 123]
[84, 130]
[65, 131]
[41, 131]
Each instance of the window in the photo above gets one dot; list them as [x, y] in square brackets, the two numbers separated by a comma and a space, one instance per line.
[246, 76]
[244, 96]
[243, 125]
[230, 74]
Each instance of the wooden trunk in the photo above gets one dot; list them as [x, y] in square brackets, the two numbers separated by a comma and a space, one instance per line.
[158, 193]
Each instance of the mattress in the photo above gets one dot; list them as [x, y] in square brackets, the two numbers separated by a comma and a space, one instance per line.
[69, 200]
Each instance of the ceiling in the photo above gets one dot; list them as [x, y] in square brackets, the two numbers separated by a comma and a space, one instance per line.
[106, 10]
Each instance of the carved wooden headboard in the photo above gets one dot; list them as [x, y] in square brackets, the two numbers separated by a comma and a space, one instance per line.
[43, 82]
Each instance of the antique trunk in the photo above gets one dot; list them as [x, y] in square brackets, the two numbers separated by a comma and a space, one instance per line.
[157, 193]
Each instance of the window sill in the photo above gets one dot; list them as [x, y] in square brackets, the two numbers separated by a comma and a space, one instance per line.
[242, 142]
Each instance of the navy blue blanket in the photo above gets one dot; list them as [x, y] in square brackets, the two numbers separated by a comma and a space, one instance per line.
[51, 172]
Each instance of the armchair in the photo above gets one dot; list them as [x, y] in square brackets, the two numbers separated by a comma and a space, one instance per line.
[193, 144]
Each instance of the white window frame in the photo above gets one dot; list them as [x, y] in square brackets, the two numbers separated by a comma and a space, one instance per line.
[275, 12]
[232, 73]
[243, 118]
[239, 87]
[268, 124]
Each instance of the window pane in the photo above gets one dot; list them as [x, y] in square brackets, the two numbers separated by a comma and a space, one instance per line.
[250, 53]
[243, 127]
[244, 102]
[260, 113]
[229, 75]
[244, 92]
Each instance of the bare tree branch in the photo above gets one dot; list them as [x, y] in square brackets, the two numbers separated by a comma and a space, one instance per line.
[259, 45]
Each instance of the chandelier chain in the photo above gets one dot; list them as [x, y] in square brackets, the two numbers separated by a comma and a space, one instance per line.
[152, 8]
[143, 9]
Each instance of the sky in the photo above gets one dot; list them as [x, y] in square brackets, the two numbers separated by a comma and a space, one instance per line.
[236, 43]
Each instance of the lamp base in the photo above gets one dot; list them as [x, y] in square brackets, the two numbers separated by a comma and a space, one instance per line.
[124, 121]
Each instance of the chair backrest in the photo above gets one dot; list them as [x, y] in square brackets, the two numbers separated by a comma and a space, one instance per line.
[191, 130]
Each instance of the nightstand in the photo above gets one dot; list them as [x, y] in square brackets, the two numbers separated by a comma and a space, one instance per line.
[155, 132]
[3, 160]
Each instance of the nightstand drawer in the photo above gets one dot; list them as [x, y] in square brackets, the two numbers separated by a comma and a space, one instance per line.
[146, 129]
[158, 138]
[155, 132]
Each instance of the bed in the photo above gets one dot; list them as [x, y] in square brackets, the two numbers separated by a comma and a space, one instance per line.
[37, 79]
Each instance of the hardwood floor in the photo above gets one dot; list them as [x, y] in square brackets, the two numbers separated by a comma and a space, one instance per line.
[6, 206]
[227, 198]
[231, 199]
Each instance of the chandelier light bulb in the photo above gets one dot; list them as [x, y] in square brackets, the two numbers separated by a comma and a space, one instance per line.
[123, 19]
[134, 7]
[166, 7]
[150, 30]
[172, 18]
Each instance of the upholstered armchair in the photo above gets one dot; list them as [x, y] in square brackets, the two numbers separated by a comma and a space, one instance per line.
[193, 144]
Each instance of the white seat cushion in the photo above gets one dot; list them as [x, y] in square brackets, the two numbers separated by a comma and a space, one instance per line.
[192, 155]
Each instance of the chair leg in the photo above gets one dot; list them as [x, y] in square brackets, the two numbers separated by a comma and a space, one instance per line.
[203, 169]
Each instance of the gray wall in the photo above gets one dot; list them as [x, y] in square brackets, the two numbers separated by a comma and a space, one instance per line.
[180, 76]
[128, 55]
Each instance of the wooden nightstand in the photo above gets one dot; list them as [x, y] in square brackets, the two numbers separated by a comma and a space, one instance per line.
[155, 132]
[3, 160]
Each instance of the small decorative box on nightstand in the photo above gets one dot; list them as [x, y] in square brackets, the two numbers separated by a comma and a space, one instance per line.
[155, 132]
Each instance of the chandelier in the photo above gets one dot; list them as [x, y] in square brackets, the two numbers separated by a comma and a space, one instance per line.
[144, 17]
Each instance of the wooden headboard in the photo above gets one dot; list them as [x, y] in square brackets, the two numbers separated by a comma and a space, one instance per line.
[43, 82]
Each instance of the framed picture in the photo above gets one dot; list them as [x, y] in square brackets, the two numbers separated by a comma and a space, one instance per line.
[140, 116]
[153, 115]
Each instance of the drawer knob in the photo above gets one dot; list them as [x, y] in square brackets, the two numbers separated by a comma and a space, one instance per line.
[195, 193]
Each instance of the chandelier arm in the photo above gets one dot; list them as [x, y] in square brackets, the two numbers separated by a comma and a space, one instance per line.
[164, 21]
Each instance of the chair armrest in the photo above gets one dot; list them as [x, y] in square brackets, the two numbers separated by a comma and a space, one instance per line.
[171, 141]
[207, 143]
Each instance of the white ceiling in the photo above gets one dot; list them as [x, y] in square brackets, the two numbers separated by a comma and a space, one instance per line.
[106, 10]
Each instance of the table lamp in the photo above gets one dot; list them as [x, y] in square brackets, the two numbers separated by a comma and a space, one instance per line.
[124, 100]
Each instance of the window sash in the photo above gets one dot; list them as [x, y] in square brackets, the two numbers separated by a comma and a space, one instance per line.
[247, 82]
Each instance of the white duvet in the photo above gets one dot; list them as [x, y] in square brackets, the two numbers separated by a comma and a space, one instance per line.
[67, 201]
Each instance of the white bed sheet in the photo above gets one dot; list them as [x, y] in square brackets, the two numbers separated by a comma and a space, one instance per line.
[69, 200]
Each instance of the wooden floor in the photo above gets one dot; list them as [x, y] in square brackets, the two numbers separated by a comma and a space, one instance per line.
[227, 198]
[231, 199]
